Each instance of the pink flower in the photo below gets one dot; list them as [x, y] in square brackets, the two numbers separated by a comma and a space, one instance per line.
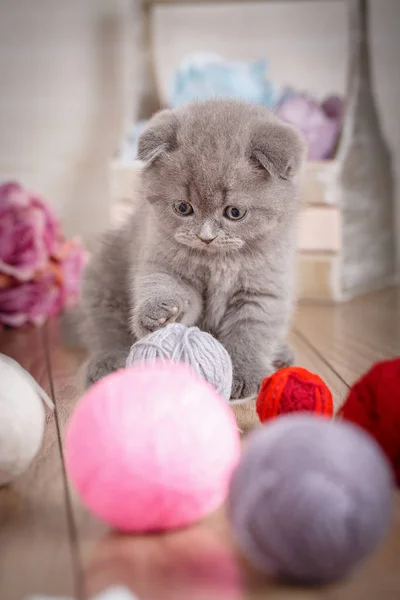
[31, 301]
[54, 288]
[29, 232]
[40, 271]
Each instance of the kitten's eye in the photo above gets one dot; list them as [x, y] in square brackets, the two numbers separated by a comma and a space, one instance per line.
[233, 213]
[183, 208]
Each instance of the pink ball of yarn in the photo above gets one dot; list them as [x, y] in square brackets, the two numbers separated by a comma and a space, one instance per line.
[152, 448]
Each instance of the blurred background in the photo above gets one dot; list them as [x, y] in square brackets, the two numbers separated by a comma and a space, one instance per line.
[71, 78]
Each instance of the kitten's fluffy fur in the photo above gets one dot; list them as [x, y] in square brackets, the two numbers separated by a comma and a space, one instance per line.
[159, 267]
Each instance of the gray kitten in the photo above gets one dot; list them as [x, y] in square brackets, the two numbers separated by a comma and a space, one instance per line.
[212, 243]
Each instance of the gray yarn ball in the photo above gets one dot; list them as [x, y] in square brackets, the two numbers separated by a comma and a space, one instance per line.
[310, 499]
[196, 348]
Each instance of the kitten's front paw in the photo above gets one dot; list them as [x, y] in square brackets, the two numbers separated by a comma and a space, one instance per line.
[283, 356]
[103, 364]
[247, 379]
[156, 313]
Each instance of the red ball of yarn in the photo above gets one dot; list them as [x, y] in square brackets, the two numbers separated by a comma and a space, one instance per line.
[293, 389]
[373, 403]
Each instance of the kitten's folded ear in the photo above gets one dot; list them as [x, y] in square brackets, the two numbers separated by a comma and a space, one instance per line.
[159, 137]
[278, 148]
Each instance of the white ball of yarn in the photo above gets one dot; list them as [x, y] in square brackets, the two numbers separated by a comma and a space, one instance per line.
[22, 419]
[189, 345]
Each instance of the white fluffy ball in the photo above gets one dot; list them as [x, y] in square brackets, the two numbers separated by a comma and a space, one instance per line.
[22, 419]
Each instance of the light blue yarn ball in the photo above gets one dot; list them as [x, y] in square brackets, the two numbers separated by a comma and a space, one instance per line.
[202, 76]
[189, 345]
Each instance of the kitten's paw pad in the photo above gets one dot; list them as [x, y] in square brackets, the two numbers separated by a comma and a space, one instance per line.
[284, 357]
[173, 313]
[279, 364]
[153, 315]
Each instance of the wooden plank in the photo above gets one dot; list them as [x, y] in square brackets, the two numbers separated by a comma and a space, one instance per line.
[36, 553]
[67, 364]
[353, 336]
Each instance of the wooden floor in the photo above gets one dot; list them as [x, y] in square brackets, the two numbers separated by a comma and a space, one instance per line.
[50, 545]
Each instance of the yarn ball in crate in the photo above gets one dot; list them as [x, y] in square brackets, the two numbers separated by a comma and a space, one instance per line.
[373, 403]
[152, 447]
[22, 419]
[310, 498]
[293, 389]
[189, 345]
[204, 76]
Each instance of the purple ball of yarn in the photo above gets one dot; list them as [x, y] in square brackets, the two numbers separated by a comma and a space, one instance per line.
[310, 498]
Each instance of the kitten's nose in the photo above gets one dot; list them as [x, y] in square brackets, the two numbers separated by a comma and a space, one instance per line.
[206, 240]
